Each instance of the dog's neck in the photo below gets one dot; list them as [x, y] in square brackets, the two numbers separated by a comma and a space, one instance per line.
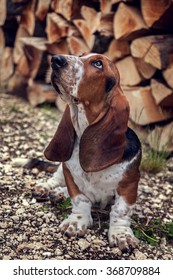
[78, 117]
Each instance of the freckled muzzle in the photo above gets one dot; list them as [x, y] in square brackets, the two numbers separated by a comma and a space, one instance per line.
[64, 76]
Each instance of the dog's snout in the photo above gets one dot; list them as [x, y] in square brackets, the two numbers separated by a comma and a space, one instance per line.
[58, 60]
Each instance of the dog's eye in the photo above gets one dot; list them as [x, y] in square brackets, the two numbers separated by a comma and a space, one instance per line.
[97, 64]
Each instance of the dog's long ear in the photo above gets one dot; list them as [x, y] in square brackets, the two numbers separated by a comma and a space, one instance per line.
[103, 142]
[61, 146]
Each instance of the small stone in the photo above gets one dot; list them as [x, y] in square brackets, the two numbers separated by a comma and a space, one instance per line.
[47, 254]
[116, 251]
[25, 202]
[83, 244]
[35, 171]
[139, 255]
[33, 201]
[163, 242]
[99, 242]
[58, 252]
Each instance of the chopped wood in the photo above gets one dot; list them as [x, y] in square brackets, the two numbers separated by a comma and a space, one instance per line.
[77, 46]
[106, 27]
[117, 1]
[85, 32]
[152, 10]
[6, 64]
[129, 74]
[153, 49]
[28, 17]
[2, 42]
[126, 31]
[168, 72]
[63, 7]
[26, 29]
[3, 11]
[143, 108]
[36, 42]
[158, 55]
[30, 61]
[105, 6]
[128, 22]
[161, 138]
[56, 27]
[58, 47]
[162, 94]
[118, 49]
[42, 9]
[141, 131]
[17, 84]
[38, 93]
[145, 69]
[92, 17]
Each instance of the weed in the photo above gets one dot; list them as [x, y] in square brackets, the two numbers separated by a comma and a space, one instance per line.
[44, 208]
[168, 229]
[64, 206]
[154, 161]
[14, 108]
[46, 106]
[44, 136]
[153, 231]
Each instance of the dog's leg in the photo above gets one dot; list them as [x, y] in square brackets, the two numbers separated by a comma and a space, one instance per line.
[55, 188]
[80, 218]
[120, 233]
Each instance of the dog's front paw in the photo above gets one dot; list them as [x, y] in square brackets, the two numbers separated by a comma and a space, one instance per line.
[123, 238]
[40, 193]
[59, 194]
[76, 225]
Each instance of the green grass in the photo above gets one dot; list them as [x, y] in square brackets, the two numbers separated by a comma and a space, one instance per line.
[64, 207]
[44, 208]
[153, 231]
[153, 161]
[14, 108]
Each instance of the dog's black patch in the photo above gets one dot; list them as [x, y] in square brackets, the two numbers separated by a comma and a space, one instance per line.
[110, 83]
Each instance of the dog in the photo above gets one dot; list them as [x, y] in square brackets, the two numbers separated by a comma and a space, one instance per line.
[99, 154]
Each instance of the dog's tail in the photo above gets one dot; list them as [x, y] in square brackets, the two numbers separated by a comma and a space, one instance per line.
[31, 163]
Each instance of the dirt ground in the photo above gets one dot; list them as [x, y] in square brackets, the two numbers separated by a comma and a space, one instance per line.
[29, 229]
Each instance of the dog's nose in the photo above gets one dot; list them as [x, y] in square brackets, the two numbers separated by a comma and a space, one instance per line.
[58, 60]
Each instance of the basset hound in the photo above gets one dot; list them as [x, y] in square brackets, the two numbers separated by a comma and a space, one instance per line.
[99, 154]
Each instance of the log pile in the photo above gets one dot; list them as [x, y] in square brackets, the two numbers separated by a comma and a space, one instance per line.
[136, 35]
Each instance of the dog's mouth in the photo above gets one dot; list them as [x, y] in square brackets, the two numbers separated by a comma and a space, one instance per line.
[75, 100]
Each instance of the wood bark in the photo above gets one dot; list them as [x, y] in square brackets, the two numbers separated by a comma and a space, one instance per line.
[144, 109]
[153, 10]
[128, 22]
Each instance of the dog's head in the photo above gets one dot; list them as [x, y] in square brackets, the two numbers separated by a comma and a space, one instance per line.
[87, 79]
[93, 81]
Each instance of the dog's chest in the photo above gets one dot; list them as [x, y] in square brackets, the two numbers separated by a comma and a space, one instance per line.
[99, 187]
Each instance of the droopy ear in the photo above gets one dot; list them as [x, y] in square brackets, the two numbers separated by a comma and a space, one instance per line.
[61, 146]
[102, 143]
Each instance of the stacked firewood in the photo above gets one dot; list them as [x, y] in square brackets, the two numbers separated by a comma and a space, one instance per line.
[135, 34]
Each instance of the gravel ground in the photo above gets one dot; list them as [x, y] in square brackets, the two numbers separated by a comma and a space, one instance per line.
[29, 229]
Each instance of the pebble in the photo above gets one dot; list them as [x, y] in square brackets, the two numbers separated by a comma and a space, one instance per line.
[47, 254]
[139, 255]
[25, 202]
[99, 242]
[83, 244]
[58, 252]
